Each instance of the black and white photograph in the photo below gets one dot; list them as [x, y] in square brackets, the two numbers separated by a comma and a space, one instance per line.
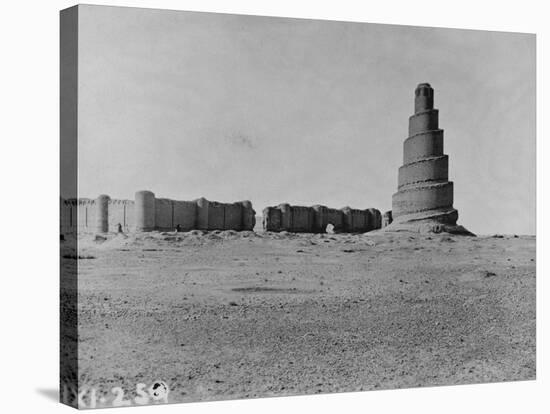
[273, 206]
[252, 208]
[262, 217]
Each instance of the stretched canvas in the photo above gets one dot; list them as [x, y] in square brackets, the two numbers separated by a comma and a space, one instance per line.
[266, 206]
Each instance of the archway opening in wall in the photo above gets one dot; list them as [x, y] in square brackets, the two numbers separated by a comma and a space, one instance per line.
[330, 228]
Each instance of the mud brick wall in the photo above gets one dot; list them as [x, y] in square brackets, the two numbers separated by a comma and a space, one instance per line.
[102, 213]
[299, 219]
[202, 214]
[248, 215]
[233, 218]
[271, 219]
[86, 212]
[164, 214]
[336, 218]
[216, 216]
[387, 218]
[375, 217]
[148, 213]
[95, 216]
[320, 218]
[185, 214]
[361, 221]
[121, 212]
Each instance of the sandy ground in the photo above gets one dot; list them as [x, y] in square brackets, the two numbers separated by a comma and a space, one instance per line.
[239, 315]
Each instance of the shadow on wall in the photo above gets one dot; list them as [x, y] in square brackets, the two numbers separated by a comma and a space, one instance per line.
[148, 213]
[299, 219]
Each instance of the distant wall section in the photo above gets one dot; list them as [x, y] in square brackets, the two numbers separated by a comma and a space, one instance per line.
[299, 219]
[147, 213]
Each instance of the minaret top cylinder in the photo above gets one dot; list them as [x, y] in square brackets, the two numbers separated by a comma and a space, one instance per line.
[423, 98]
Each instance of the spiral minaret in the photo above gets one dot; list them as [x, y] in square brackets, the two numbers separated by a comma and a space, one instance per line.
[424, 192]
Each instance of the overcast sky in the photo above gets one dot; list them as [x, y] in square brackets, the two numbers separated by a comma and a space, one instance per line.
[307, 112]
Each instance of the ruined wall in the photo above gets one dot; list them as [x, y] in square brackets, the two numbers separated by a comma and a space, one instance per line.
[121, 211]
[323, 216]
[336, 218]
[164, 214]
[216, 215]
[86, 215]
[233, 219]
[299, 219]
[248, 215]
[95, 216]
[200, 214]
[386, 219]
[102, 213]
[185, 214]
[376, 218]
[147, 213]
[213, 215]
[271, 219]
[144, 211]
[356, 221]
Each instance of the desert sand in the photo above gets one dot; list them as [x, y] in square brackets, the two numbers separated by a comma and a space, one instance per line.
[227, 314]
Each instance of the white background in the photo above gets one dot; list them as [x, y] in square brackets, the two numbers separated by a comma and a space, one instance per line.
[29, 172]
